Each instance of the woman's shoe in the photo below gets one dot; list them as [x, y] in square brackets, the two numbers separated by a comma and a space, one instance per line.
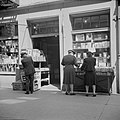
[72, 93]
[66, 93]
[94, 95]
[27, 93]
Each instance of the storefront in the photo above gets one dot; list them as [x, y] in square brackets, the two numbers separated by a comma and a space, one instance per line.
[70, 25]
[8, 43]
[45, 37]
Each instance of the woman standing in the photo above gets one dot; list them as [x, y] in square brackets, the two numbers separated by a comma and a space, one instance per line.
[69, 72]
[90, 75]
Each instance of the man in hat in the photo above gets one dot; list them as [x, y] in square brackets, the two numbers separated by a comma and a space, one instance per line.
[68, 62]
[29, 70]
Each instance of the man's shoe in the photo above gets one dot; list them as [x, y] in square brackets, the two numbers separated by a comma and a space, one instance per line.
[27, 93]
[86, 95]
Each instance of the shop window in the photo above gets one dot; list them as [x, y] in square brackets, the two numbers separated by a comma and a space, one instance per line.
[8, 55]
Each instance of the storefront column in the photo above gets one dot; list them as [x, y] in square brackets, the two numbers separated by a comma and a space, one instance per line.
[61, 45]
[67, 29]
[25, 41]
[114, 46]
[118, 22]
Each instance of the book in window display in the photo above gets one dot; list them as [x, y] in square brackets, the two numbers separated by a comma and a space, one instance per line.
[89, 36]
[80, 37]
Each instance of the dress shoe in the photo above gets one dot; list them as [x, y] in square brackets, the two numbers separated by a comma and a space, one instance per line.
[27, 93]
[94, 95]
[86, 95]
[72, 93]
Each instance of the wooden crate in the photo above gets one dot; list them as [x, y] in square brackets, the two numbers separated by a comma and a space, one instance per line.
[17, 85]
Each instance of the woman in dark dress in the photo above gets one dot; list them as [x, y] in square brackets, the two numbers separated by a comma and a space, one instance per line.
[69, 72]
[90, 75]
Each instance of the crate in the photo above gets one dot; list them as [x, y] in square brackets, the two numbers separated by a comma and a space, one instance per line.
[17, 85]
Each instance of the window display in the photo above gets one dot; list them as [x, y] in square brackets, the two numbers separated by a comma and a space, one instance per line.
[97, 42]
[8, 55]
[91, 33]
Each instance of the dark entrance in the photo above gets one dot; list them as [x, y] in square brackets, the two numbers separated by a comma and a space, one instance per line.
[50, 47]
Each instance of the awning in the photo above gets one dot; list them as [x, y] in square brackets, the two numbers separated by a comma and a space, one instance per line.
[5, 4]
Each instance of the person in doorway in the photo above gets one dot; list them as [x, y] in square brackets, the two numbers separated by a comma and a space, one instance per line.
[69, 72]
[90, 75]
[28, 66]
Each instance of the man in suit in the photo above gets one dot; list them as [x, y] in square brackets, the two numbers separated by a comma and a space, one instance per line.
[28, 66]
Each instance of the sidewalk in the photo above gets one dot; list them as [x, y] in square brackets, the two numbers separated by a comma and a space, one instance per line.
[55, 105]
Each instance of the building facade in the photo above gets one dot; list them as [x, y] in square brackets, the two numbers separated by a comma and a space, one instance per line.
[56, 27]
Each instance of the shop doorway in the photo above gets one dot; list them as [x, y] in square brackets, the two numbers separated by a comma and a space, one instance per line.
[50, 47]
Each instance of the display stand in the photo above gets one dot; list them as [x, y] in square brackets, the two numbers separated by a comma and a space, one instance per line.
[37, 80]
[104, 80]
[43, 71]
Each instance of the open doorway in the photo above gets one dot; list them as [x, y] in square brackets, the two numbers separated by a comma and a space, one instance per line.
[50, 47]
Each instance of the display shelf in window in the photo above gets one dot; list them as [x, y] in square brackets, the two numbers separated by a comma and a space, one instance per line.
[8, 55]
[96, 42]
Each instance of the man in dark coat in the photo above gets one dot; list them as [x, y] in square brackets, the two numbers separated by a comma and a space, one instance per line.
[69, 72]
[29, 70]
[90, 75]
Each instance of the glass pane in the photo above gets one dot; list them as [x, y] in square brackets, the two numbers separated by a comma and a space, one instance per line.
[78, 23]
[94, 21]
[95, 24]
[104, 17]
[104, 24]
[104, 20]
[46, 27]
[86, 22]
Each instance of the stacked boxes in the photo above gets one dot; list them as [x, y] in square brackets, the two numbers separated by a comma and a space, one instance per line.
[37, 81]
